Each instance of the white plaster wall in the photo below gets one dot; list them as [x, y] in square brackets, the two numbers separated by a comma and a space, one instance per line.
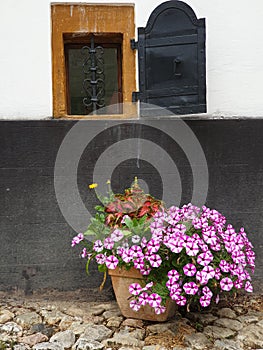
[234, 55]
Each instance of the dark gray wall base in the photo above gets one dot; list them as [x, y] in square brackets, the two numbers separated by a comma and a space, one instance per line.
[35, 239]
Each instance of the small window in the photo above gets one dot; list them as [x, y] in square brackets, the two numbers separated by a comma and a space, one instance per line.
[94, 74]
[92, 60]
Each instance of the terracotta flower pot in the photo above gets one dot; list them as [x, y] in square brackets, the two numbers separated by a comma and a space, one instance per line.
[121, 280]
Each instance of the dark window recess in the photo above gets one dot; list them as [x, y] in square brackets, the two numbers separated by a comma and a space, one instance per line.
[94, 78]
[171, 56]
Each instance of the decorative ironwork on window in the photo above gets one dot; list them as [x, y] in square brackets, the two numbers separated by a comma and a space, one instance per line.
[94, 78]
[94, 74]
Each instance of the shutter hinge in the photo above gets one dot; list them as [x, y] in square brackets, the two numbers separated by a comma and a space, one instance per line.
[134, 44]
[135, 96]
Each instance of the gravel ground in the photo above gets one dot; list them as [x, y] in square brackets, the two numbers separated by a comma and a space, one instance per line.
[88, 319]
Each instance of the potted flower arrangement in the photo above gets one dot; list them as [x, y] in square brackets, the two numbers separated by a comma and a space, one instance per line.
[185, 255]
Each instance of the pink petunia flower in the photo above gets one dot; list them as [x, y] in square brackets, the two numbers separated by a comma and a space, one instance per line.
[98, 246]
[155, 260]
[191, 248]
[127, 256]
[181, 300]
[248, 287]
[100, 259]
[189, 270]
[124, 218]
[207, 291]
[210, 272]
[181, 227]
[201, 277]
[159, 309]
[154, 300]
[144, 242]
[108, 243]
[148, 286]
[205, 258]
[116, 235]
[135, 305]
[173, 274]
[84, 253]
[190, 288]
[153, 246]
[145, 271]
[238, 284]
[209, 237]
[175, 245]
[136, 251]
[143, 298]
[136, 239]
[135, 289]
[217, 273]
[226, 284]
[224, 266]
[138, 263]
[77, 239]
[205, 300]
[111, 262]
[171, 284]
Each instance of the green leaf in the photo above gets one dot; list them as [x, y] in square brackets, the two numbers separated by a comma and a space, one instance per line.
[99, 208]
[89, 233]
[128, 222]
[102, 268]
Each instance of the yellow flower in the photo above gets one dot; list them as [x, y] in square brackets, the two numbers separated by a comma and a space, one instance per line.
[93, 185]
[108, 182]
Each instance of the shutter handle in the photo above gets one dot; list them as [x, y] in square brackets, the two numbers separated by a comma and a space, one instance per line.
[176, 62]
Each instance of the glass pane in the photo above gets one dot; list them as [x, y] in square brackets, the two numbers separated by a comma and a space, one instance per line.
[109, 88]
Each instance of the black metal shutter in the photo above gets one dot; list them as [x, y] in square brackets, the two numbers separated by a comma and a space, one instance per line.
[171, 56]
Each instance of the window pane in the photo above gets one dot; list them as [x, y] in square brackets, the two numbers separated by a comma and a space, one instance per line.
[109, 90]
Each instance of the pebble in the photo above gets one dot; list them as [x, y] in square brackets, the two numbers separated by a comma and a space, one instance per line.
[99, 326]
[6, 316]
[28, 319]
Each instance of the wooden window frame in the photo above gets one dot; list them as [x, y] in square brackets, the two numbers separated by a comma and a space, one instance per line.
[74, 20]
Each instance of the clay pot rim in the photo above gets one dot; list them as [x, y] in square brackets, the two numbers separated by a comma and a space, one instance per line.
[123, 272]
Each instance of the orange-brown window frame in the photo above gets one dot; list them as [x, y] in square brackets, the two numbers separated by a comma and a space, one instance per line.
[78, 19]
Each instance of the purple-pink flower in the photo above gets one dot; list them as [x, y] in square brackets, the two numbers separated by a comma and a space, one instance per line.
[226, 284]
[84, 253]
[160, 309]
[224, 266]
[173, 274]
[154, 300]
[190, 288]
[135, 289]
[205, 300]
[135, 305]
[209, 271]
[98, 246]
[181, 300]
[191, 248]
[155, 260]
[77, 239]
[189, 270]
[143, 298]
[108, 243]
[248, 287]
[100, 259]
[111, 262]
[205, 258]
[153, 246]
[116, 235]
